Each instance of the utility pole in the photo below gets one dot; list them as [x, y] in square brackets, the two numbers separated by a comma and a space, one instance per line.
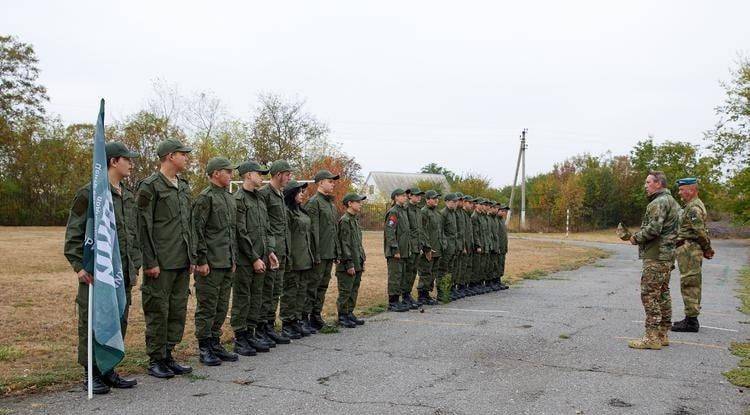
[521, 158]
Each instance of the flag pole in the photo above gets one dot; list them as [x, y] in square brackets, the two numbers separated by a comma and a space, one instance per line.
[90, 348]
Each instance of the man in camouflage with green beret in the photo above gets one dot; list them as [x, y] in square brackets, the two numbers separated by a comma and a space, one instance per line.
[214, 225]
[278, 244]
[693, 244]
[254, 260]
[397, 248]
[432, 225]
[352, 264]
[656, 243]
[325, 245]
[452, 246]
[119, 167]
[164, 205]
[419, 244]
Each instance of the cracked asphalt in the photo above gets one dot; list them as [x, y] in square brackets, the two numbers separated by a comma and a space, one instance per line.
[550, 346]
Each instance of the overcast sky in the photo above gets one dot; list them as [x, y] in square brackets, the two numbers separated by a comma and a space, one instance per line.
[406, 83]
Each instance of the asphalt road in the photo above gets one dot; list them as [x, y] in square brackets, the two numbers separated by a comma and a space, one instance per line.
[551, 346]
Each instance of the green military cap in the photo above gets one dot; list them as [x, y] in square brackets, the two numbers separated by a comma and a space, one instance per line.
[170, 146]
[479, 200]
[468, 198]
[687, 181]
[487, 202]
[450, 196]
[432, 194]
[280, 165]
[219, 163]
[504, 207]
[251, 165]
[118, 149]
[293, 184]
[353, 197]
[325, 174]
[414, 191]
[397, 191]
[459, 196]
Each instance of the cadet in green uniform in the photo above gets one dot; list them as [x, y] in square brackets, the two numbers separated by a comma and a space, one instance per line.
[493, 276]
[165, 234]
[656, 244]
[503, 244]
[253, 260]
[432, 224]
[349, 270]
[278, 244]
[299, 271]
[214, 225]
[396, 247]
[450, 233]
[119, 166]
[466, 258]
[325, 245]
[419, 245]
[693, 244]
[479, 226]
[456, 272]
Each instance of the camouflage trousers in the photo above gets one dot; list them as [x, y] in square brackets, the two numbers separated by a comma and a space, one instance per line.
[396, 270]
[655, 293]
[689, 262]
[427, 273]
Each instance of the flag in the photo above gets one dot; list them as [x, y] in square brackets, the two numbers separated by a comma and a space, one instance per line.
[101, 257]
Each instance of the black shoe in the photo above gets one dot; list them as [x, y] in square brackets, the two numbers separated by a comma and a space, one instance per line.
[306, 324]
[453, 294]
[276, 337]
[242, 346]
[689, 325]
[316, 321]
[206, 352]
[256, 343]
[431, 301]
[98, 386]
[177, 368]
[395, 305]
[301, 329]
[409, 301]
[223, 354]
[356, 320]
[290, 331]
[113, 379]
[160, 369]
[345, 322]
[259, 334]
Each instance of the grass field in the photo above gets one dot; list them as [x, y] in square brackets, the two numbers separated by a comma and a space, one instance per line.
[38, 313]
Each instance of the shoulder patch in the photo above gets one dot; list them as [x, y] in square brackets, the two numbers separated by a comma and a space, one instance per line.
[392, 220]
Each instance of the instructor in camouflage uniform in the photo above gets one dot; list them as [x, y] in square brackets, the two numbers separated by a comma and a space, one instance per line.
[693, 244]
[656, 245]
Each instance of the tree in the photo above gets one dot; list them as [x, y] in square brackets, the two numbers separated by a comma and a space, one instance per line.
[433, 168]
[282, 129]
[21, 95]
[730, 138]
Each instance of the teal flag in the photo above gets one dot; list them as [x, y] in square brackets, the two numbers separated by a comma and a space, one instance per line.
[102, 260]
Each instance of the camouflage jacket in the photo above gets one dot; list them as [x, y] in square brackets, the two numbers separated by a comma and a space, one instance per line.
[397, 233]
[432, 223]
[419, 241]
[450, 231]
[693, 224]
[657, 236]
[214, 224]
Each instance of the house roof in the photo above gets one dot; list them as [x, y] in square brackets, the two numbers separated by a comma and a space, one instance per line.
[388, 181]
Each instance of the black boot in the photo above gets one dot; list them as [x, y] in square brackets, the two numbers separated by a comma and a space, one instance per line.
[259, 334]
[502, 285]
[98, 387]
[422, 298]
[316, 320]
[453, 294]
[431, 301]
[394, 305]
[258, 343]
[356, 320]
[160, 369]
[301, 329]
[345, 322]
[289, 330]
[459, 291]
[113, 380]
[207, 356]
[241, 345]
[408, 299]
[222, 353]
[177, 368]
[689, 325]
[276, 337]
[307, 324]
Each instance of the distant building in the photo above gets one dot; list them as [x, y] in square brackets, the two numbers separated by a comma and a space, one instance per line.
[380, 184]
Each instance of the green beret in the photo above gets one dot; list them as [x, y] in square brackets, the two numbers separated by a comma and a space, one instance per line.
[218, 163]
[397, 191]
[252, 166]
[170, 146]
[118, 149]
[353, 197]
[687, 181]
[325, 174]
[280, 165]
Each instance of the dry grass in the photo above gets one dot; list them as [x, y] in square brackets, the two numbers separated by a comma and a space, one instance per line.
[38, 312]
[603, 235]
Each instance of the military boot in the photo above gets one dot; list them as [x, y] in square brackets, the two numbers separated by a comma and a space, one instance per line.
[289, 330]
[689, 325]
[270, 331]
[114, 380]
[241, 345]
[409, 301]
[422, 298]
[97, 385]
[453, 293]
[651, 340]
[259, 334]
[301, 329]
[345, 322]
[222, 353]
[207, 356]
[308, 325]
[159, 369]
[177, 368]
[356, 320]
[316, 320]
[503, 286]
[395, 305]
